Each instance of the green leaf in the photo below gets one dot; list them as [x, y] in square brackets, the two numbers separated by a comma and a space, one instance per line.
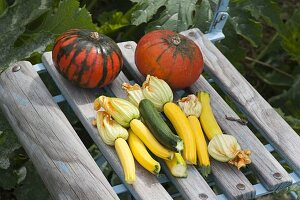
[274, 78]
[13, 22]
[144, 10]
[177, 16]
[269, 10]
[274, 70]
[112, 21]
[233, 52]
[8, 178]
[246, 27]
[19, 39]
[288, 101]
[203, 15]
[32, 187]
[8, 142]
[292, 121]
[291, 36]
[68, 15]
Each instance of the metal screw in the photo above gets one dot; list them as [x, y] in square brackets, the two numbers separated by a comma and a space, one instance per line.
[277, 175]
[203, 196]
[192, 34]
[16, 68]
[223, 17]
[128, 46]
[240, 186]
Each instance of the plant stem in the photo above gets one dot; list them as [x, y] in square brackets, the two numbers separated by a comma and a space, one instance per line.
[269, 66]
[264, 51]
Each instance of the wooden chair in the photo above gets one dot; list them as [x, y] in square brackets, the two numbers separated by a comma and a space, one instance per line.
[69, 171]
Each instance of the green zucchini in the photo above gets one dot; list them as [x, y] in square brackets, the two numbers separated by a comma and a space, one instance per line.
[160, 130]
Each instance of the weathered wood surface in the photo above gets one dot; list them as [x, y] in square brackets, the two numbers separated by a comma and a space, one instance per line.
[146, 185]
[61, 159]
[273, 127]
[265, 166]
[227, 177]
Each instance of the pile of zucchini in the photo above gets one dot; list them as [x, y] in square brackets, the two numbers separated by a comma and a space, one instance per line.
[172, 132]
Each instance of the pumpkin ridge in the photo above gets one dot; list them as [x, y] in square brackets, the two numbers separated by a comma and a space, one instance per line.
[66, 38]
[112, 65]
[77, 51]
[159, 57]
[61, 53]
[66, 35]
[92, 70]
[83, 65]
[175, 53]
[94, 67]
[151, 45]
[114, 49]
[118, 54]
[104, 73]
[69, 54]
[66, 48]
[185, 50]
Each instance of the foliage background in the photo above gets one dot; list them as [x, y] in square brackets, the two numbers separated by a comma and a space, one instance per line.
[267, 54]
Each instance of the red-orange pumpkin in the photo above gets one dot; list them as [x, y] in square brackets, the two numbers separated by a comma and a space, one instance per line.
[87, 58]
[169, 56]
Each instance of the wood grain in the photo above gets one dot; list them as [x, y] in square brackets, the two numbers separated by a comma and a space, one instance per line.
[146, 185]
[260, 113]
[61, 159]
[227, 177]
[263, 163]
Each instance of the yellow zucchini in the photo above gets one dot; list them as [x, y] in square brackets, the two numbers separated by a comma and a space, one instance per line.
[207, 118]
[201, 146]
[141, 154]
[126, 159]
[184, 131]
[149, 140]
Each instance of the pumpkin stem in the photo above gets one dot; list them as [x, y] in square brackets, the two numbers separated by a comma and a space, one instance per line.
[95, 35]
[176, 39]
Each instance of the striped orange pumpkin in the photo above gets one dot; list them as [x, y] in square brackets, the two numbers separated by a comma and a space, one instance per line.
[87, 58]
